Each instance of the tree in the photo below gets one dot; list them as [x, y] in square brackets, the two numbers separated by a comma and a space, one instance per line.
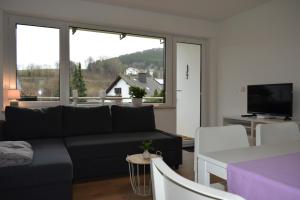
[155, 74]
[90, 63]
[155, 93]
[72, 66]
[78, 81]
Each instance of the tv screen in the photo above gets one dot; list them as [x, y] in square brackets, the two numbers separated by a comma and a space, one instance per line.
[272, 99]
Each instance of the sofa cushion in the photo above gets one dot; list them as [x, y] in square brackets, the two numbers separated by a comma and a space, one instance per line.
[117, 144]
[86, 120]
[51, 165]
[24, 123]
[133, 119]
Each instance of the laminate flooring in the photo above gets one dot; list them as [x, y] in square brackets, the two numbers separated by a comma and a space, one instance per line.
[120, 188]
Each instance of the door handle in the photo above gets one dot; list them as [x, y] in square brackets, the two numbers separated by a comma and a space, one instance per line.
[178, 90]
[187, 72]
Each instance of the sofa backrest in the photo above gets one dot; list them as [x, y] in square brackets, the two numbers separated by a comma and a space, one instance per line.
[64, 121]
[2, 125]
[86, 120]
[132, 119]
[24, 123]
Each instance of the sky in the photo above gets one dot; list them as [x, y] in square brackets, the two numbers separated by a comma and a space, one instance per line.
[40, 45]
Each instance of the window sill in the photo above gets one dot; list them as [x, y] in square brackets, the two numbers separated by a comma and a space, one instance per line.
[38, 104]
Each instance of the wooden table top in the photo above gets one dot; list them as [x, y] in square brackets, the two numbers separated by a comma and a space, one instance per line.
[139, 159]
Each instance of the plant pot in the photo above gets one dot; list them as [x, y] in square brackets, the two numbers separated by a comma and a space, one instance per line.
[146, 154]
[137, 102]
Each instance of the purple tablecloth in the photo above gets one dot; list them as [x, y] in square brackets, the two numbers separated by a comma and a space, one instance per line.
[274, 178]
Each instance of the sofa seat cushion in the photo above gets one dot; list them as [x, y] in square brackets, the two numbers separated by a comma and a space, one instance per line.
[132, 119]
[86, 120]
[25, 123]
[51, 165]
[117, 144]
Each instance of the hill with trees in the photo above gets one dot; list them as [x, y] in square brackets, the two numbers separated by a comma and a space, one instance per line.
[151, 57]
[145, 60]
[99, 74]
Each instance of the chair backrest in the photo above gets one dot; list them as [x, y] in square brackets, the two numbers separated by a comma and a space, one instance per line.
[276, 133]
[168, 185]
[209, 139]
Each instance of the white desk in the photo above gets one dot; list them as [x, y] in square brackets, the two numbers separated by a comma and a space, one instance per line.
[216, 162]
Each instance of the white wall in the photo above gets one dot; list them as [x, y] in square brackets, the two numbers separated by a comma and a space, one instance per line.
[101, 14]
[259, 46]
[209, 115]
[1, 59]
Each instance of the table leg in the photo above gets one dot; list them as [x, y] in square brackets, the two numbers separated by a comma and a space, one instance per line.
[203, 175]
[138, 178]
[252, 129]
[144, 179]
[131, 175]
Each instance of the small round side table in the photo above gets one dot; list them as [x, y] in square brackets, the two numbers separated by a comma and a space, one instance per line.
[141, 184]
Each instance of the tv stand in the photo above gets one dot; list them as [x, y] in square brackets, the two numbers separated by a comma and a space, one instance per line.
[250, 123]
[265, 117]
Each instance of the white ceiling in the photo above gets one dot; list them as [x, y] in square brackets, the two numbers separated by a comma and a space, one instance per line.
[214, 10]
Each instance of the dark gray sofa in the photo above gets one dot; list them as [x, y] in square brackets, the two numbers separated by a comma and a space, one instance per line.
[48, 177]
[75, 144]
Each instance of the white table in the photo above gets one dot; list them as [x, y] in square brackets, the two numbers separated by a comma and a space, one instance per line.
[216, 162]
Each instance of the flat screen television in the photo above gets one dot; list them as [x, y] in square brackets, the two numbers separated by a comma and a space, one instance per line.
[270, 99]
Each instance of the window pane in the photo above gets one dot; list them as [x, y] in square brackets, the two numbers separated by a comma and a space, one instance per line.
[109, 63]
[38, 62]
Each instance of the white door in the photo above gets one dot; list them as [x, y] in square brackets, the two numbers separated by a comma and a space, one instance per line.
[188, 88]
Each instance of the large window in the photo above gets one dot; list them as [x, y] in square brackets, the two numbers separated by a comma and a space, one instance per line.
[37, 62]
[62, 62]
[108, 63]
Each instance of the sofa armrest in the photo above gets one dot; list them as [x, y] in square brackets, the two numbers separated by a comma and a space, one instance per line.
[2, 123]
[169, 134]
[176, 137]
[178, 146]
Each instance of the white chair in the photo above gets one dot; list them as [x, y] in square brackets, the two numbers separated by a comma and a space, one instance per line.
[276, 133]
[168, 185]
[209, 139]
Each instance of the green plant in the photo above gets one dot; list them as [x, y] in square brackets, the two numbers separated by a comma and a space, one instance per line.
[78, 82]
[146, 145]
[137, 92]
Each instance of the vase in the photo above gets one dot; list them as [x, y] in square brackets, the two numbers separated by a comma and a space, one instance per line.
[137, 102]
[146, 154]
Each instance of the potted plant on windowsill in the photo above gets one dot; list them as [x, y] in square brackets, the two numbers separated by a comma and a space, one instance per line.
[137, 94]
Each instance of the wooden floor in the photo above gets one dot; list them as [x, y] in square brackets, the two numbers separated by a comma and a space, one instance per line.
[120, 188]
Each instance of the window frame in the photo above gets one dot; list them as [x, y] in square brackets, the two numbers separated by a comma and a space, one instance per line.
[102, 29]
[16, 70]
[64, 57]
[11, 45]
